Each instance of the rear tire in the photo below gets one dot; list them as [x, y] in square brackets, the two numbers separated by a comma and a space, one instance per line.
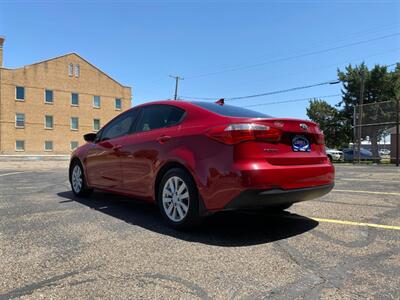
[178, 199]
[78, 181]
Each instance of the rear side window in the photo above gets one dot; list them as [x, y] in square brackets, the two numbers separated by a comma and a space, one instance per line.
[158, 116]
[230, 110]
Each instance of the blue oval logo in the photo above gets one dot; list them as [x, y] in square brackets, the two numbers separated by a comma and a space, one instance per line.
[300, 144]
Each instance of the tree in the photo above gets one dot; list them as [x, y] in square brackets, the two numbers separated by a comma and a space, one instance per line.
[379, 86]
[336, 131]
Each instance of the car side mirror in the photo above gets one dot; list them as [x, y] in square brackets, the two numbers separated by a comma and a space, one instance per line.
[90, 137]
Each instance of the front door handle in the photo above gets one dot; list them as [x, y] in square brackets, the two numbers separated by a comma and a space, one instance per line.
[117, 147]
[164, 138]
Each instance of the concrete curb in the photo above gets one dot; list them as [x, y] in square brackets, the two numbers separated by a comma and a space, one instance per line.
[33, 157]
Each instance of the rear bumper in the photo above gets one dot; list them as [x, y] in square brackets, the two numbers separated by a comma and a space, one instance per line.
[274, 197]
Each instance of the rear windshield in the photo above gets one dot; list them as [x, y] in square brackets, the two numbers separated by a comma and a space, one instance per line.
[230, 110]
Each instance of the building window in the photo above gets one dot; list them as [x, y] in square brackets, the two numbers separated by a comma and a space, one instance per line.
[118, 104]
[71, 69]
[19, 120]
[48, 122]
[96, 101]
[74, 145]
[20, 93]
[77, 71]
[48, 145]
[19, 145]
[75, 99]
[96, 124]
[48, 96]
[74, 123]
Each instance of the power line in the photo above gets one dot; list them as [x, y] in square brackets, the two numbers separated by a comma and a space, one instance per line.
[356, 61]
[268, 93]
[294, 56]
[293, 100]
[335, 81]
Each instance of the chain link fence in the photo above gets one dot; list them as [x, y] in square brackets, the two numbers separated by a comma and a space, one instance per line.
[376, 133]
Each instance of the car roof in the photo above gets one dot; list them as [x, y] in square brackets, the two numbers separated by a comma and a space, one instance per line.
[178, 103]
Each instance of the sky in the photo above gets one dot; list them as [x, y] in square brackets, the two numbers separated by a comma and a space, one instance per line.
[222, 49]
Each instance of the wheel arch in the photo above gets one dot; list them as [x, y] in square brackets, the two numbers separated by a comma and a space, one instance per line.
[72, 161]
[164, 169]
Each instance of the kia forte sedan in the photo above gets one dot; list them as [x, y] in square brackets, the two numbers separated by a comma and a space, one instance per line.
[197, 158]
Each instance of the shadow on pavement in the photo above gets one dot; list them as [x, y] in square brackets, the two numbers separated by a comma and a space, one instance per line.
[227, 229]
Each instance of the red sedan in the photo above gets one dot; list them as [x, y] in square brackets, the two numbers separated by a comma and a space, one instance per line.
[196, 158]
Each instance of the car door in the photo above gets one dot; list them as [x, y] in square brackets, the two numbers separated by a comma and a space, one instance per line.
[155, 132]
[103, 164]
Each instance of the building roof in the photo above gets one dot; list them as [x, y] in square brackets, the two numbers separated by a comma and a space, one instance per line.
[72, 53]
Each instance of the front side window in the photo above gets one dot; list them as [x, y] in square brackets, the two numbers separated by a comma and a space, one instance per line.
[74, 145]
[74, 123]
[120, 126]
[48, 122]
[118, 104]
[20, 93]
[158, 116]
[19, 120]
[96, 124]
[75, 99]
[96, 101]
[20, 145]
[48, 146]
[48, 96]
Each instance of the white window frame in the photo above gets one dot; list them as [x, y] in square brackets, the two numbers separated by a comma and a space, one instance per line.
[20, 150]
[70, 69]
[70, 145]
[18, 86]
[52, 146]
[71, 99]
[52, 119]
[115, 103]
[94, 129]
[77, 70]
[94, 104]
[77, 123]
[16, 126]
[45, 100]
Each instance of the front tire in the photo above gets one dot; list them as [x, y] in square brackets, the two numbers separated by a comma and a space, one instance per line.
[78, 181]
[178, 199]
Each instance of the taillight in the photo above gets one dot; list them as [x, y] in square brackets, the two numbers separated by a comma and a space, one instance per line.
[236, 133]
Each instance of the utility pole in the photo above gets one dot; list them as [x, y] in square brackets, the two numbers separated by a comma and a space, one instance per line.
[360, 115]
[397, 131]
[177, 78]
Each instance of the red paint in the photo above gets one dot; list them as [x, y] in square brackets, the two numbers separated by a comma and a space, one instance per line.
[129, 165]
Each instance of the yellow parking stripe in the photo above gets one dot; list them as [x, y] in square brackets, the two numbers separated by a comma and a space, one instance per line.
[14, 173]
[366, 179]
[366, 192]
[356, 223]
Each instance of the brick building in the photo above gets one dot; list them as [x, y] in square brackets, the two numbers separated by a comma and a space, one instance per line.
[46, 107]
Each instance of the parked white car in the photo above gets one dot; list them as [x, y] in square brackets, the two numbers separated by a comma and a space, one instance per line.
[384, 152]
[333, 154]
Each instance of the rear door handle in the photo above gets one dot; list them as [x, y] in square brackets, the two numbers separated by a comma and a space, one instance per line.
[164, 138]
[117, 147]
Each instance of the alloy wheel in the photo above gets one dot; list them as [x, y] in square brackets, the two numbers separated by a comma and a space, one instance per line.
[76, 179]
[175, 198]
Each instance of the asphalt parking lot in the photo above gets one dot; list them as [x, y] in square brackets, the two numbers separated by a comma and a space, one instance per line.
[55, 246]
